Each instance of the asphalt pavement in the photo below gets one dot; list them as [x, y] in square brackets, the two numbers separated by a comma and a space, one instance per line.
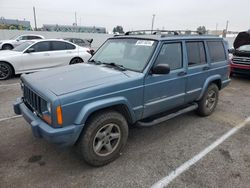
[150, 154]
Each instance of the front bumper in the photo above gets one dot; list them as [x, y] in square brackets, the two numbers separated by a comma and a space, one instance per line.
[240, 69]
[65, 136]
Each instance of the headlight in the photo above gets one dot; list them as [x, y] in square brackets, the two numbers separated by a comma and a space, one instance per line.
[49, 107]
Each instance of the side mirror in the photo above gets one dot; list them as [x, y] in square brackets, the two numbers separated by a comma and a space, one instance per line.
[161, 69]
[231, 50]
[30, 50]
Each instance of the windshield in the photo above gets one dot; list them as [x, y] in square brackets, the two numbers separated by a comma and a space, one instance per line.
[132, 54]
[244, 48]
[23, 46]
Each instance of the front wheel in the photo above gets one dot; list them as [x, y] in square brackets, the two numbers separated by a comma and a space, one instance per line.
[5, 71]
[104, 138]
[7, 47]
[209, 101]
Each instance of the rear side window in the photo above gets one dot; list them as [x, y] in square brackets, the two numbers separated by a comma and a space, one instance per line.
[70, 46]
[33, 37]
[196, 53]
[41, 46]
[170, 54]
[216, 51]
[58, 45]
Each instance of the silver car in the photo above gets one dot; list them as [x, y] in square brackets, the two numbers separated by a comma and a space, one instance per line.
[17, 40]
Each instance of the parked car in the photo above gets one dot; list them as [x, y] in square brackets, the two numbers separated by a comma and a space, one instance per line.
[36, 55]
[131, 80]
[17, 40]
[82, 42]
[240, 63]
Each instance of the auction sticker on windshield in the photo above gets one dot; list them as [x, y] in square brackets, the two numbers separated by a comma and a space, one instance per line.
[144, 43]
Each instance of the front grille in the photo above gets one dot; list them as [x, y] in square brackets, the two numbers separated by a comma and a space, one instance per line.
[241, 60]
[33, 101]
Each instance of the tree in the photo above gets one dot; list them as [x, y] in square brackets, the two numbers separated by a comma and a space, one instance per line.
[118, 29]
[201, 30]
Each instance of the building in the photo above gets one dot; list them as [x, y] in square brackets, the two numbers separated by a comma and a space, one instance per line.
[14, 24]
[69, 28]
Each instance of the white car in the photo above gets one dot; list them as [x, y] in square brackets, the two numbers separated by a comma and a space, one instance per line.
[32, 56]
[15, 41]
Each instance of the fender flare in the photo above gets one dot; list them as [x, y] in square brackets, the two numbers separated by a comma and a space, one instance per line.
[207, 83]
[92, 107]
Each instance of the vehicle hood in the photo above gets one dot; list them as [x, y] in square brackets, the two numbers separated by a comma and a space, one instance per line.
[72, 78]
[8, 53]
[243, 38]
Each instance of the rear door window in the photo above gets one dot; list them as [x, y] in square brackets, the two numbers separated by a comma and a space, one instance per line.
[196, 53]
[33, 37]
[216, 51]
[58, 45]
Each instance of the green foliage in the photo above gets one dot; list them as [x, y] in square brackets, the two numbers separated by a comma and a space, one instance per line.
[201, 30]
[118, 29]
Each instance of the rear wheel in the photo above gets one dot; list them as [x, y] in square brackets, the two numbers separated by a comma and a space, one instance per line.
[7, 47]
[76, 60]
[104, 138]
[209, 100]
[5, 71]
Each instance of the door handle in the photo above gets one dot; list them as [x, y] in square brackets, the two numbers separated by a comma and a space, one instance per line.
[205, 68]
[182, 73]
[68, 52]
[46, 54]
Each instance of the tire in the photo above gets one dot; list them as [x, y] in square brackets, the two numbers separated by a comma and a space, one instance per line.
[209, 101]
[104, 138]
[6, 71]
[75, 60]
[7, 47]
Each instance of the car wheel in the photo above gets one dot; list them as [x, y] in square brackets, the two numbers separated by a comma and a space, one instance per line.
[104, 138]
[209, 100]
[7, 47]
[5, 71]
[76, 60]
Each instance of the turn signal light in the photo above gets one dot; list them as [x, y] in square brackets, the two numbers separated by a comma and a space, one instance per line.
[59, 115]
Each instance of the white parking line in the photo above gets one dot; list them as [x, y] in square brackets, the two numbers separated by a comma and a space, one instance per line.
[8, 118]
[177, 172]
[5, 85]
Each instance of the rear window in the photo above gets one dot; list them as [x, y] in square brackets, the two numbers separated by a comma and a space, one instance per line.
[216, 51]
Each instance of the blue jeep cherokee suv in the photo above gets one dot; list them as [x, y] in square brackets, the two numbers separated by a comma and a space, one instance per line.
[131, 80]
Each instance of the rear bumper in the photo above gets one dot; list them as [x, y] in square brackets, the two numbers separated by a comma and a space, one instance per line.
[240, 69]
[64, 136]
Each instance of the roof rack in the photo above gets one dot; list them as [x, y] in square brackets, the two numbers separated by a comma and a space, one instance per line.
[163, 33]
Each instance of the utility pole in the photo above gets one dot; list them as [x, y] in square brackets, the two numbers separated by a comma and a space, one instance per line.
[34, 12]
[153, 20]
[216, 28]
[75, 19]
[227, 26]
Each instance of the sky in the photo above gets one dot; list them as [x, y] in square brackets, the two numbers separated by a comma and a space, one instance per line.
[133, 14]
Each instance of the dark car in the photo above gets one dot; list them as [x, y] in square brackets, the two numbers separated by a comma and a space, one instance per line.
[240, 63]
[82, 42]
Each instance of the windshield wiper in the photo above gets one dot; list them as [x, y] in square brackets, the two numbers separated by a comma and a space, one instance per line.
[95, 62]
[121, 67]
